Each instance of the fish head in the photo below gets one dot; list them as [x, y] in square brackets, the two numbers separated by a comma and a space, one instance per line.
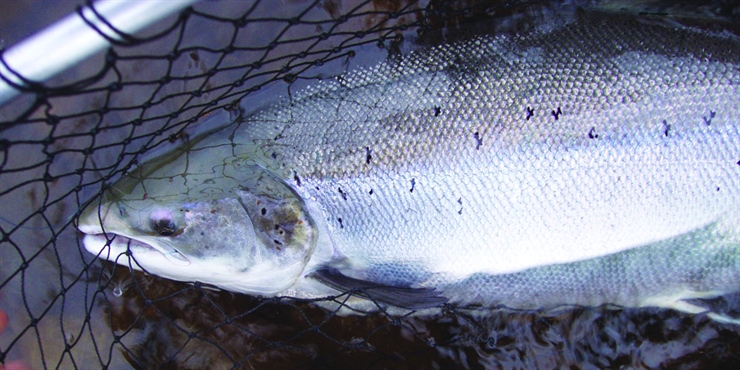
[254, 235]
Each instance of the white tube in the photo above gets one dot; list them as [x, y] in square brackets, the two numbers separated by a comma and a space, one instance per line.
[70, 40]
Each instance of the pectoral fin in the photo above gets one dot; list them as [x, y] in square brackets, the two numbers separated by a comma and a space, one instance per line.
[410, 298]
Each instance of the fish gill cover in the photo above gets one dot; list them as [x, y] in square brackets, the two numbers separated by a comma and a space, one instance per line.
[65, 141]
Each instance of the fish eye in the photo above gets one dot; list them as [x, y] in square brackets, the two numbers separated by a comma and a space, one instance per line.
[163, 223]
[164, 226]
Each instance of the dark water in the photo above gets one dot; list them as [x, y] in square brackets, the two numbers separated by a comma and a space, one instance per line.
[191, 328]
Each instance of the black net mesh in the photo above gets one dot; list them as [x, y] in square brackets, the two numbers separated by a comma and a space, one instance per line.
[64, 141]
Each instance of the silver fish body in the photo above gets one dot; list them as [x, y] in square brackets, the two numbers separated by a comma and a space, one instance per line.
[587, 163]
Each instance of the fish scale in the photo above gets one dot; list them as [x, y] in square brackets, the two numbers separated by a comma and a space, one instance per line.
[586, 162]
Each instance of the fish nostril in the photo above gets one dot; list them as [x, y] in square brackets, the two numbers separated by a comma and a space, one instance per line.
[121, 210]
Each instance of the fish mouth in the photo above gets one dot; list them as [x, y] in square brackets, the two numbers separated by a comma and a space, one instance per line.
[96, 241]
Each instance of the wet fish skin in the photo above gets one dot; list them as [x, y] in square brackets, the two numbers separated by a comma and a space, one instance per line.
[469, 168]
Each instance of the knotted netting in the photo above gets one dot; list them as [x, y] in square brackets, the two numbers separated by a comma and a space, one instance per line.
[63, 141]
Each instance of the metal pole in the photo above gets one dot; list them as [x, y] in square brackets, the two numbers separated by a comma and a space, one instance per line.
[70, 40]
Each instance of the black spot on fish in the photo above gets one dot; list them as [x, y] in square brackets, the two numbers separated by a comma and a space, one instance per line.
[666, 128]
[344, 195]
[708, 121]
[437, 111]
[273, 155]
[368, 155]
[459, 200]
[370, 192]
[341, 225]
[718, 188]
[557, 113]
[592, 133]
[296, 178]
[263, 211]
[530, 113]
[413, 183]
[478, 140]
[277, 242]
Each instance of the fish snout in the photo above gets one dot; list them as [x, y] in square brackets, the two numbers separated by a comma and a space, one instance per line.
[92, 218]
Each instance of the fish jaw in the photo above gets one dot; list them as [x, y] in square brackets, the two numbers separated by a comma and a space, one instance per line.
[113, 246]
[144, 257]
